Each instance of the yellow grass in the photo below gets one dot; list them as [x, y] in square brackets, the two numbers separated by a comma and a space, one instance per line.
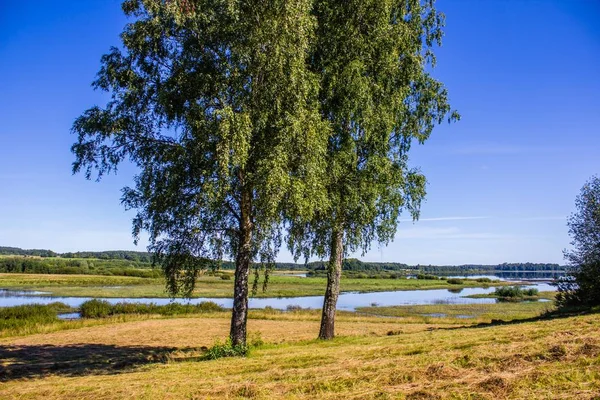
[150, 359]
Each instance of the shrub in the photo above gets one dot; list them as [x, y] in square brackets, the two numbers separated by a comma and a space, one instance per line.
[455, 281]
[21, 318]
[95, 309]
[484, 280]
[226, 277]
[581, 287]
[427, 276]
[220, 350]
[530, 292]
[513, 292]
[208, 306]
[30, 311]
[101, 309]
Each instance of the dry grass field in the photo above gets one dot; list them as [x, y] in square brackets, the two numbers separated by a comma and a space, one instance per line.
[374, 357]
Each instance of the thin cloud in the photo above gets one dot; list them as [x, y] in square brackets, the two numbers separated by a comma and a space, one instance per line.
[557, 218]
[434, 219]
[447, 234]
[502, 149]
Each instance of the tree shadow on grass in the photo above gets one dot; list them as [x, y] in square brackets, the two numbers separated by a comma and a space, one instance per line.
[551, 315]
[36, 361]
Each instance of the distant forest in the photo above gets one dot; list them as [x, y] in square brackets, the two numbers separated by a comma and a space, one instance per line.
[124, 262]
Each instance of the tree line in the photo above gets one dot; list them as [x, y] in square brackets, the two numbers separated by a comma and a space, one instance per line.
[55, 265]
[140, 256]
[145, 260]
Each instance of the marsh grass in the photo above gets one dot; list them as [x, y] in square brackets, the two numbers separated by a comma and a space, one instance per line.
[101, 309]
[26, 318]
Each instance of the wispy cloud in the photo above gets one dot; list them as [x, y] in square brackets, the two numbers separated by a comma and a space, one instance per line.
[501, 149]
[555, 218]
[446, 234]
[435, 219]
[458, 218]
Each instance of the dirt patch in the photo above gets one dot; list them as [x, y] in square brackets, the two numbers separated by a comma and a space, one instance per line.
[496, 385]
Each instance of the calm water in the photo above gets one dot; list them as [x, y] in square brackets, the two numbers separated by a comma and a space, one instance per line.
[347, 301]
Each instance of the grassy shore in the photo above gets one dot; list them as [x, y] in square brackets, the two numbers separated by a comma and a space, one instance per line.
[209, 286]
[464, 313]
[539, 296]
[145, 357]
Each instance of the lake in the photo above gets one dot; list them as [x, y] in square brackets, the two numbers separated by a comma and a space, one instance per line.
[348, 301]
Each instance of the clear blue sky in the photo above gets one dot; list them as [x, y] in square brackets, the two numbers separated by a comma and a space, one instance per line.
[525, 75]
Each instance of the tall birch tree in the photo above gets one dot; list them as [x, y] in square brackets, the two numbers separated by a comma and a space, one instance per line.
[213, 102]
[373, 58]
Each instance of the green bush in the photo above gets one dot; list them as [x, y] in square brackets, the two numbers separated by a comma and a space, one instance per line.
[427, 276]
[102, 309]
[220, 350]
[455, 281]
[531, 292]
[22, 317]
[513, 292]
[95, 309]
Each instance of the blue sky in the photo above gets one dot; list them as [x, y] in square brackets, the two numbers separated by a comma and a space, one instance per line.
[523, 74]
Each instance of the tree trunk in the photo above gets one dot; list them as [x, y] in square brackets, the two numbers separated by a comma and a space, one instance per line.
[239, 315]
[334, 273]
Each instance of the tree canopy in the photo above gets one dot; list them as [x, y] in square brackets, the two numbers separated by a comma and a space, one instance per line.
[373, 58]
[582, 287]
[214, 103]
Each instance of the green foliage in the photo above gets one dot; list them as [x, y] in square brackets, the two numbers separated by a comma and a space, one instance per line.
[514, 292]
[215, 105]
[56, 265]
[455, 281]
[21, 317]
[22, 252]
[373, 59]
[427, 276]
[102, 309]
[582, 286]
[378, 97]
[95, 309]
[227, 349]
[102, 255]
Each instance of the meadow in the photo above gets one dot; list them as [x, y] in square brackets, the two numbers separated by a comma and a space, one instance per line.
[407, 355]
[213, 285]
